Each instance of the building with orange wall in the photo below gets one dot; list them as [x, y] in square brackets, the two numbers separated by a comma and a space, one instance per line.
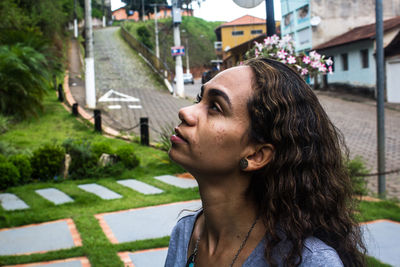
[162, 12]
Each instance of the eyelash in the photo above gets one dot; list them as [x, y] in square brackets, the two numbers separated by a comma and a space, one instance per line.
[200, 97]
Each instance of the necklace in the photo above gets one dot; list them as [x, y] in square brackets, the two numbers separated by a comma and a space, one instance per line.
[190, 262]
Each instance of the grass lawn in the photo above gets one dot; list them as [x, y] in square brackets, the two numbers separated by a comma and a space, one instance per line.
[55, 125]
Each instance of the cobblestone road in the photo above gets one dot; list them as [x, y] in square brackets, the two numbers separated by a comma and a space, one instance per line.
[119, 69]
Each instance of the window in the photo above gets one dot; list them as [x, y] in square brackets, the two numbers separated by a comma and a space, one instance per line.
[287, 19]
[364, 58]
[303, 14]
[256, 31]
[304, 36]
[345, 62]
[234, 33]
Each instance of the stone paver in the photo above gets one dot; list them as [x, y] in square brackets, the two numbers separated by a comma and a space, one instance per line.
[99, 191]
[178, 182]
[144, 258]
[71, 262]
[140, 186]
[382, 239]
[37, 238]
[54, 195]
[117, 67]
[12, 202]
[144, 223]
[357, 122]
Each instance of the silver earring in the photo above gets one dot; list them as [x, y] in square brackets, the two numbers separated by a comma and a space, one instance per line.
[243, 163]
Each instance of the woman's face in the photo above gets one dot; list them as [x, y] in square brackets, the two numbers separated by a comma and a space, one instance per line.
[212, 137]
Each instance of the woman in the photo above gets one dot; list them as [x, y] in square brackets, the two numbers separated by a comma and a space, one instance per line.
[270, 172]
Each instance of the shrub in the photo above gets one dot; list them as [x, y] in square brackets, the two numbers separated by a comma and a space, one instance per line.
[83, 160]
[22, 163]
[2, 158]
[166, 132]
[357, 172]
[47, 161]
[9, 175]
[100, 148]
[126, 155]
[4, 122]
[144, 36]
[6, 149]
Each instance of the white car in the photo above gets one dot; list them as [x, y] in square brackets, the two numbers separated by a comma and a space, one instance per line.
[187, 78]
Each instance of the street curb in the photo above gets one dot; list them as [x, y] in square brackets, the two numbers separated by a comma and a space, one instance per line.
[84, 114]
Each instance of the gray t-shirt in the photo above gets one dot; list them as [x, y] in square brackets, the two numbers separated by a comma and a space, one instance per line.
[315, 252]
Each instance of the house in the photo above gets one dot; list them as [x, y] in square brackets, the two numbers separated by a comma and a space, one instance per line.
[162, 12]
[234, 33]
[313, 22]
[353, 54]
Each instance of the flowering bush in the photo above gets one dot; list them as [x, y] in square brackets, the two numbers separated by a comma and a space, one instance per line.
[283, 51]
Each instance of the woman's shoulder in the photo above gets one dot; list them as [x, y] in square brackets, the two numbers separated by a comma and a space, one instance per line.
[317, 253]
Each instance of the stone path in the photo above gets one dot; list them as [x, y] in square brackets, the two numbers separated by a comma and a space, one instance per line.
[144, 223]
[140, 186]
[178, 182]
[12, 202]
[71, 262]
[39, 238]
[119, 69]
[54, 195]
[382, 238]
[143, 258]
[100, 191]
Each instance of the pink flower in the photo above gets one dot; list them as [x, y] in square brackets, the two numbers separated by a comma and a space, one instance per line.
[304, 71]
[315, 56]
[330, 69]
[282, 54]
[274, 39]
[256, 53]
[329, 62]
[291, 60]
[322, 68]
[267, 41]
[259, 46]
[306, 59]
[315, 64]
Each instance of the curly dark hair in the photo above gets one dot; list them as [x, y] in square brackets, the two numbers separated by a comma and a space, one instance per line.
[305, 189]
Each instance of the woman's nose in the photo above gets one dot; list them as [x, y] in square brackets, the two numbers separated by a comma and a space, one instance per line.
[187, 115]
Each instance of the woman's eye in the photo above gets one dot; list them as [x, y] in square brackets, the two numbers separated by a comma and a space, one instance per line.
[215, 107]
[198, 99]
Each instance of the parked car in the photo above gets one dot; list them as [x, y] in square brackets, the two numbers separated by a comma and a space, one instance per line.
[187, 78]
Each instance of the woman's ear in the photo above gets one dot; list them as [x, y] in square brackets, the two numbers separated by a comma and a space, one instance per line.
[260, 158]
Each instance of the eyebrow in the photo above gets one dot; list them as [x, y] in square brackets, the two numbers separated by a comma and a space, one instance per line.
[217, 92]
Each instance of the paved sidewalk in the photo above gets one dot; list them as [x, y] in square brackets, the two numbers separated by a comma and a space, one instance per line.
[135, 91]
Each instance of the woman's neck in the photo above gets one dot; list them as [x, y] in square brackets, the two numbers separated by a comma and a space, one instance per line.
[228, 211]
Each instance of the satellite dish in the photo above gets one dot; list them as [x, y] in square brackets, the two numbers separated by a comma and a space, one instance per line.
[314, 21]
[248, 3]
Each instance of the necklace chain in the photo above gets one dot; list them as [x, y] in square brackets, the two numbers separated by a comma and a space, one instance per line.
[192, 257]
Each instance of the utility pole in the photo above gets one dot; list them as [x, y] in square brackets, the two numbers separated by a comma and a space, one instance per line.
[187, 55]
[176, 19]
[104, 15]
[270, 17]
[75, 22]
[89, 60]
[156, 30]
[143, 10]
[380, 86]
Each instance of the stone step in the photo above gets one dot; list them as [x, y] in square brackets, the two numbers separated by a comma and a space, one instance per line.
[39, 238]
[141, 187]
[144, 258]
[100, 191]
[144, 223]
[12, 202]
[178, 182]
[54, 195]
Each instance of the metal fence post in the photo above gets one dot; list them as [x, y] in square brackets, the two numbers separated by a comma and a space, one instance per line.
[144, 131]
[97, 120]
[60, 93]
[75, 109]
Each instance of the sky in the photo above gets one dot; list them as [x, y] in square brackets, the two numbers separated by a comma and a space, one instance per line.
[223, 10]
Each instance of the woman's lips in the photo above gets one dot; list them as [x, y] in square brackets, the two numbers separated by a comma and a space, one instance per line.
[177, 140]
[177, 137]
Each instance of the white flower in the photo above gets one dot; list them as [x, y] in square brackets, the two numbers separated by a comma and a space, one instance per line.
[282, 54]
[329, 62]
[291, 60]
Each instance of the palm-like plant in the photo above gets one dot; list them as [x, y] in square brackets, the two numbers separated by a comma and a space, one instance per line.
[24, 80]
